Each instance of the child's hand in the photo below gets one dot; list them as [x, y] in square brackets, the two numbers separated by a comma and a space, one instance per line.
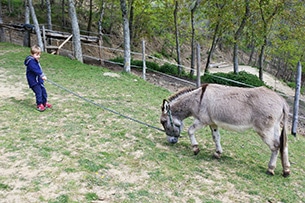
[44, 77]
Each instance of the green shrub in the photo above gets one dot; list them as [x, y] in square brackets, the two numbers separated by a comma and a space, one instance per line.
[242, 77]
[169, 69]
[118, 60]
[152, 65]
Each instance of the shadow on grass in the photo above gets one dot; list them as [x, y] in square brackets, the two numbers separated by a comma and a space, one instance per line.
[23, 103]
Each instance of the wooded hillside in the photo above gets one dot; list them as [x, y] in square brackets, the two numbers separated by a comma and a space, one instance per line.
[262, 33]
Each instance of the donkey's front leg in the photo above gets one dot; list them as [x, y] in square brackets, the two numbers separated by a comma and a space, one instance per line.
[216, 138]
[196, 125]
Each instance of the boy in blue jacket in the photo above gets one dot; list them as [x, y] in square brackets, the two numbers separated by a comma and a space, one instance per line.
[36, 77]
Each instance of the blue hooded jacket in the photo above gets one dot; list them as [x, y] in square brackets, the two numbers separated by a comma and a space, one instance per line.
[34, 72]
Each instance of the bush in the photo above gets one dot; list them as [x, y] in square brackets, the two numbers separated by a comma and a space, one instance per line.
[169, 69]
[118, 60]
[242, 77]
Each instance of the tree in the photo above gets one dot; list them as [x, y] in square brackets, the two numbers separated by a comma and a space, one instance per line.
[27, 34]
[2, 33]
[131, 15]
[90, 16]
[193, 9]
[49, 17]
[76, 34]
[177, 37]
[127, 57]
[36, 25]
[238, 34]
[217, 18]
[268, 11]
[49, 14]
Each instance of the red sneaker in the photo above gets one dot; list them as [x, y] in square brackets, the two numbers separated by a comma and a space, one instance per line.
[47, 105]
[41, 107]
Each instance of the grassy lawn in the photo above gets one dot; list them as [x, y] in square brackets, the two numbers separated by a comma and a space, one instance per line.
[80, 152]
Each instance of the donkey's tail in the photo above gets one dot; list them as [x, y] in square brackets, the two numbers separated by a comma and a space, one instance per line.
[283, 138]
[283, 142]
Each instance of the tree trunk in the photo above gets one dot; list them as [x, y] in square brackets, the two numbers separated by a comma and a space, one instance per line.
[238, 34]
[212, 48]
[177, 38]
[2, 33]
[194, 5]
[111, 16]
[36, 24]
[90, 17]
[131, 15]
[127, 57]
[100, 29]
[251, 54]
[27, 34]
[235, 58]
[49, 18]
[261, 61]
[192, 43]
[63, 17]
[76, 34]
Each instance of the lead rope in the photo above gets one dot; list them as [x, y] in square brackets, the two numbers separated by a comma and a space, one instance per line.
[103, 107]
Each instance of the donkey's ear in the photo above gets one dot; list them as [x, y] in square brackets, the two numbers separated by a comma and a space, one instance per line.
[165, 107]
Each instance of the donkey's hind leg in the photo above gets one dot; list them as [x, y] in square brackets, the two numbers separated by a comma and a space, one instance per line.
[272, 139]
[216, 138]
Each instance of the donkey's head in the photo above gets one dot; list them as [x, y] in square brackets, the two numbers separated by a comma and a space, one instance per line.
[171, 124]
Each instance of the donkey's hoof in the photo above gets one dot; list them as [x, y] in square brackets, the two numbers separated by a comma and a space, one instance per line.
[286, 173]
[270, 172]
[216, 155]
[196, 149]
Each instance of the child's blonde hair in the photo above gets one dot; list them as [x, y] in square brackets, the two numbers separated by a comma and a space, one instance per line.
[35, 49]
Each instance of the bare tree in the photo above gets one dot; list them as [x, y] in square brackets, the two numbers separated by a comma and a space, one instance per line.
[76, 34]
[127, 57]
[36, 25]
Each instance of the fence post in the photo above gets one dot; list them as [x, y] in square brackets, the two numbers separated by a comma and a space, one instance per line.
[198, 83]
[143, 59]
[296, 100]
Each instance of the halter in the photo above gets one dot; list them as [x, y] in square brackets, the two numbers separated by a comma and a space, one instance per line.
[168, 112]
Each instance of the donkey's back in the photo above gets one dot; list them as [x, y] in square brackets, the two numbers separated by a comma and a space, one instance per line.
[242, 108]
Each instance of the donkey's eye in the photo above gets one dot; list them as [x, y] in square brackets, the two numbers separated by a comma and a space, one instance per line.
[163, 122]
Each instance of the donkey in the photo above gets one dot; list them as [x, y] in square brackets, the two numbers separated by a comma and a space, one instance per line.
[232, 108]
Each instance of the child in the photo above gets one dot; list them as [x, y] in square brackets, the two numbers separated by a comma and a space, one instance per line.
[36, 77]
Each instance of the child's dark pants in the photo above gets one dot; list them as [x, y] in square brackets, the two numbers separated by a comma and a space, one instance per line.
[40, 93]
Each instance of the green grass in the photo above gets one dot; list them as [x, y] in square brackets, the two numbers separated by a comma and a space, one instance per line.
[79, 152]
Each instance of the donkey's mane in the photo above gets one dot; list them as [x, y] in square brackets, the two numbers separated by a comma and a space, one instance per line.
[187, 90]
[181, 92]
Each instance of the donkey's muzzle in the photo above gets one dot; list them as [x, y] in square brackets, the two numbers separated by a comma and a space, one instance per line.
[172, 140]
